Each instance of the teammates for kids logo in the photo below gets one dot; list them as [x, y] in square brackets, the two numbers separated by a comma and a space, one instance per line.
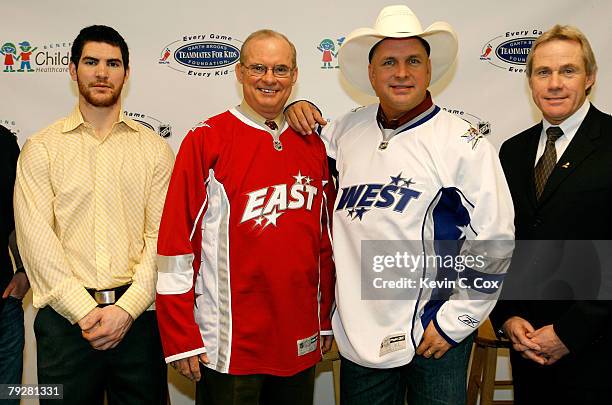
[202, 55]
[509, 51]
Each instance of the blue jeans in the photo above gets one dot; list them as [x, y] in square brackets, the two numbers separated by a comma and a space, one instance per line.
[421, 382]
[11, 343]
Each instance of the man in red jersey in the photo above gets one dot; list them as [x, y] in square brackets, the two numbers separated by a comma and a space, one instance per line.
[246, 278]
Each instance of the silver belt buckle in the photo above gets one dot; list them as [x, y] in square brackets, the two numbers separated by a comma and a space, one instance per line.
[105, 297]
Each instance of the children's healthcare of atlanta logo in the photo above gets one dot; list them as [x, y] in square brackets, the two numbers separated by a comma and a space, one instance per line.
[202, 55]
[329, 52]
[25, 57]
[509, 51]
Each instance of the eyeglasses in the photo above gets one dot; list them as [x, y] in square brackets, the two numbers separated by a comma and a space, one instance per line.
[259, 70]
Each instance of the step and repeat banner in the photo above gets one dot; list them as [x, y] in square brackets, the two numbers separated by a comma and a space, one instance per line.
[170, 90]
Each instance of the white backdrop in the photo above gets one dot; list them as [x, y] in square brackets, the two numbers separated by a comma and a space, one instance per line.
[171, 97]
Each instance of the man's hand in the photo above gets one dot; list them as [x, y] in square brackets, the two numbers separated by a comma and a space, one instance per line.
[190, 367]
[18, 287]
[550, 344]
[517, 330]
[90, 321]
[326, 343]
[114, 322]
[303, 117]
[432, 344]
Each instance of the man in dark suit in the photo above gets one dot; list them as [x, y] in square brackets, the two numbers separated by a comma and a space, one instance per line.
[13, 286]
[560, 177]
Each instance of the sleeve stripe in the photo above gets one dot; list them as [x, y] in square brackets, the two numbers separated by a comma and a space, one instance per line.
[175, 264]
[175, 274]
[443, 334]
[195, 223]
[184, 355]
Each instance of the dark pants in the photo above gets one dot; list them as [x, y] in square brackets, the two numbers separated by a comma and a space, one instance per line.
[569, 381]
[257, 389]
[132, 373]
[422, 381]
[11, 343]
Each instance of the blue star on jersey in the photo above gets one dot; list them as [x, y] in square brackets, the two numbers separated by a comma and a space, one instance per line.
[359, 199]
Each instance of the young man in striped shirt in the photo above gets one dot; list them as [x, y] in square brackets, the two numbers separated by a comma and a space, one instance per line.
[88, 199]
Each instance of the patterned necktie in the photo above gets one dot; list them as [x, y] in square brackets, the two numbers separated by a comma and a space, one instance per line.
[272, 125]
[547, 162]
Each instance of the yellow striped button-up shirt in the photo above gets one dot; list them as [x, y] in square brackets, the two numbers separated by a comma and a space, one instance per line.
[87, 213]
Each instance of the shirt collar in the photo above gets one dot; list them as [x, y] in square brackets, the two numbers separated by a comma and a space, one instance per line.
[570, 125]
[407, 116]
[133, 125]
[75, 119]
[247, 110]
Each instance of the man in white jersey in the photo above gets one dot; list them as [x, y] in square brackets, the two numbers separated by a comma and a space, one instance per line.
[417, 186]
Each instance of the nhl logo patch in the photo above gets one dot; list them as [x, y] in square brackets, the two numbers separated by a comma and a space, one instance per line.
[165, 130]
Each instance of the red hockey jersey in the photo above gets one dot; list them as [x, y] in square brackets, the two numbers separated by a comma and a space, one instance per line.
[244, 254]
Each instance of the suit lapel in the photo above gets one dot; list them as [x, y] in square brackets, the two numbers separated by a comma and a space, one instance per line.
[577, 151]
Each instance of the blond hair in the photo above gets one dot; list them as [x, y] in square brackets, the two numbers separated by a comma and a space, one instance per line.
[565, 33]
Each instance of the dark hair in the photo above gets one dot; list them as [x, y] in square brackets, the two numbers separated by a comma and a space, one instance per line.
[99, 33]
[425, 45]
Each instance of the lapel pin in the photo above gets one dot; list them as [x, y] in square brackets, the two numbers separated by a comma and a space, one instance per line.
[566, 165]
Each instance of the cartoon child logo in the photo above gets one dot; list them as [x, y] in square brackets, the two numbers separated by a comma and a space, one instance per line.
[26, 52]
[328, 48]
[10, 56]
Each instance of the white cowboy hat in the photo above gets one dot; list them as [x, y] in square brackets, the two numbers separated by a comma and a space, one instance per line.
[395, 22]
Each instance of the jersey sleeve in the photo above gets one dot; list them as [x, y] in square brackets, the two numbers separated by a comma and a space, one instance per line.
[328, 137]
[474, 169]
[327, 267]
[179, 247]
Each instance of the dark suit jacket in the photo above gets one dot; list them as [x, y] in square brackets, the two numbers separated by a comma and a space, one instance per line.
[9, 151]
[576, 204]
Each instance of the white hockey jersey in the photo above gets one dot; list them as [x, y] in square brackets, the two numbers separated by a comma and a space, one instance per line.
[433, 179]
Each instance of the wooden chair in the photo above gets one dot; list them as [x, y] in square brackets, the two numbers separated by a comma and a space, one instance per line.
[484, 362]
[334, 357]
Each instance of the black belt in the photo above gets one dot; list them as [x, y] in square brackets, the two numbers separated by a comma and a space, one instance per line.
[108, 297]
